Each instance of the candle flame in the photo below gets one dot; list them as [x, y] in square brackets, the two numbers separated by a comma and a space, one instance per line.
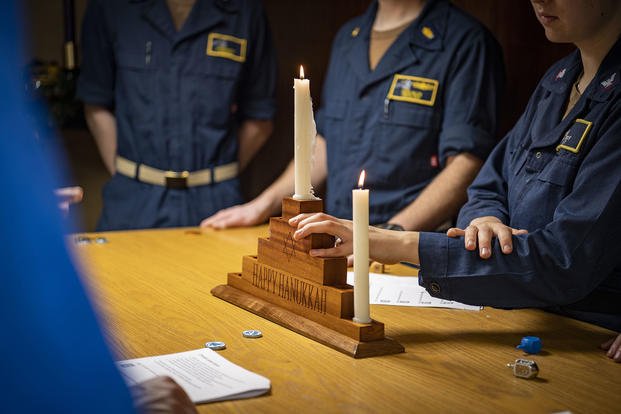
[361, 179]
[301, 72]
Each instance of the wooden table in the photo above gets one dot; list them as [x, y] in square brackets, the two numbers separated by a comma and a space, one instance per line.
[153, 287]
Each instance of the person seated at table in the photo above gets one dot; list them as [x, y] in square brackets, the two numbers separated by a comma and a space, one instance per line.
[543, 212]
[53, 354]
[412, 94]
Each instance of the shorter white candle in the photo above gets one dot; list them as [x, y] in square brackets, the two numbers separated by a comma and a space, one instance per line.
[360, 199]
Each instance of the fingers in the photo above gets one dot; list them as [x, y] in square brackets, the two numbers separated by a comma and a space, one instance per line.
[470, 237]
[485, 234]
[220, 220]
[235, 216]
[505, 238]
[614, 348]
[307, 228]
[338, 251]
[455, 232]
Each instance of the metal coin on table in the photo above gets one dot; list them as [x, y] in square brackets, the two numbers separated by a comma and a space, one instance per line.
[81, 240]
[252, 333]
[215, 345]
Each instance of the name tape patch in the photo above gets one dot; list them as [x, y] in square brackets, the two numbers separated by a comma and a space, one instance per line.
[226, 46]
[413, 89]
[575, 136]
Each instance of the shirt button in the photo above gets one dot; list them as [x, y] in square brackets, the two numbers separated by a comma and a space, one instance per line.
[435, 288]
[538, 154]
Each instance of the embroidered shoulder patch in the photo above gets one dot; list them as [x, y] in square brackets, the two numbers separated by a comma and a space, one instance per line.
[226, 46]
[575, 135]
[413, 89]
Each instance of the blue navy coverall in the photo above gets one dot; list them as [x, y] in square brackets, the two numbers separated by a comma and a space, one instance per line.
[435, 93]
[177, 103]
[560, 179]
[53, 357]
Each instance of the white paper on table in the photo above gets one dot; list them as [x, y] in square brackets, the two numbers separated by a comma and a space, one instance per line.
[203, 374]
[404, 291]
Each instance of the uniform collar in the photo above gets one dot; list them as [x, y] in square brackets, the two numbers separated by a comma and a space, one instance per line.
[607, 82]
[604, 84]
[204, 15]
[426, 31]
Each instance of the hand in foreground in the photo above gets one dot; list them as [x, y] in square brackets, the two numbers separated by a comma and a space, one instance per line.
[243, 215]
[67, 196]
[385, 246]
[161, 395]
[484, 229]
[613, 346]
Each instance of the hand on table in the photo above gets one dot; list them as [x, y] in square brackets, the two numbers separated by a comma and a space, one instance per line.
[243, 215]
[613, 346]
[483, 229]
[161, 395]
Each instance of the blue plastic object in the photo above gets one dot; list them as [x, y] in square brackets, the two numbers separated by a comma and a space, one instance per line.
[530, 344]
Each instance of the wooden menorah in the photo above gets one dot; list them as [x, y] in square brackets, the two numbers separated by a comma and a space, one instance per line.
[306, 294]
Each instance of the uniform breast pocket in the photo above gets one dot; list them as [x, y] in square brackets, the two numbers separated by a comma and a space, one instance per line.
[409, 133]
[136, 89]
[334, 112]
[214, 91]
[559, 172]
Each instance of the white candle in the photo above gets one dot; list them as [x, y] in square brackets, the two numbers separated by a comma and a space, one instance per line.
[360, 206]
[304, 133]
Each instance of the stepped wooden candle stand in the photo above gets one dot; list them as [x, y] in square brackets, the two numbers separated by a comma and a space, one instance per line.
[306, 294]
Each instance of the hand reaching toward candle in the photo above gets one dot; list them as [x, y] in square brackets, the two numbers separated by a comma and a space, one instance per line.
[385, 246]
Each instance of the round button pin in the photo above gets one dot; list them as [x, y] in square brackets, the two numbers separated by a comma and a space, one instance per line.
[435, 288]
[215, 345]
[252, 333]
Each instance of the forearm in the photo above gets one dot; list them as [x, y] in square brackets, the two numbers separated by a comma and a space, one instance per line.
[252, 135]
[443, 197]
[388, 246]
[102, 125]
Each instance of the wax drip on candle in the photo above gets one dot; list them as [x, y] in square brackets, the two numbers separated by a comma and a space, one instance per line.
[361, 179]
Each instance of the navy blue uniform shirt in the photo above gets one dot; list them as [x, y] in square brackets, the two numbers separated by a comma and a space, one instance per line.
[177, 100]
[53, 355]
[560, 179]
[435, 93]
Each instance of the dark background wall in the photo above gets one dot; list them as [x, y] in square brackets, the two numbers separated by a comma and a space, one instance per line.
[303, 31]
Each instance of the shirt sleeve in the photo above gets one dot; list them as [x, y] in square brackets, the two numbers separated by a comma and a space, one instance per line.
[556, 265]
[487, 195]
[258, 86]
[97, 70]
[472, 97]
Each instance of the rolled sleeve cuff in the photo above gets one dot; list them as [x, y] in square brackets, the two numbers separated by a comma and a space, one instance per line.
[259, 109]
[93, 95]
[465, 138]
[433, 255]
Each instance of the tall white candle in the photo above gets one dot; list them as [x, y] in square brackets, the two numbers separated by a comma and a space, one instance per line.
[360, 198]
[304, 133]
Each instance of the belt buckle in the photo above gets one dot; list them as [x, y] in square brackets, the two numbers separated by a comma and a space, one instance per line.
[176, 180]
